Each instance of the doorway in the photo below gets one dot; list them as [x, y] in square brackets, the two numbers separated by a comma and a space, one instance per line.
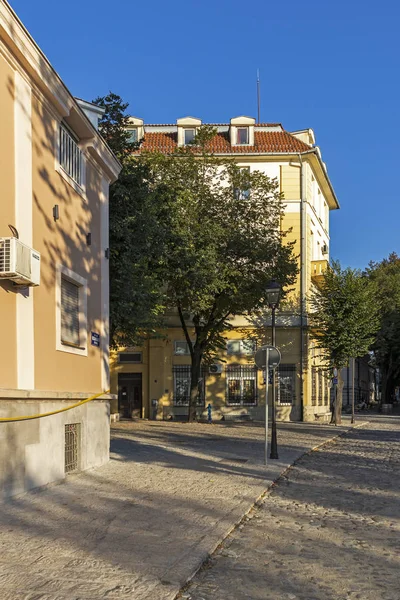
[130, 395]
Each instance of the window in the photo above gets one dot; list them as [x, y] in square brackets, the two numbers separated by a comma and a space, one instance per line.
[245, 347]
[70, 155]
[133, 136]
[130, 357]
[71, 312]
[286, 384]
[314, 386]
[243, 191]
[190, 134]
[241, 385]
[181, 375]
[242, 135]
[181, 349]
[320, 388]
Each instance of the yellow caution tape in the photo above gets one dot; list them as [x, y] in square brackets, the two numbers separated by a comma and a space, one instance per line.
[53, 412]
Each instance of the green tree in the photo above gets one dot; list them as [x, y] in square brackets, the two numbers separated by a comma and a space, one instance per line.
[223, 243]
[137, 225]
[386, 276]
[344, 320]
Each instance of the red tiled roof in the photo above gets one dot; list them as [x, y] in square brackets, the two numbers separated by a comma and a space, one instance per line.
[264, 141]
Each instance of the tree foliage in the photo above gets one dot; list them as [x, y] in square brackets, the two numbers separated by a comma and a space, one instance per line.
[386, 276]
[136, 237]
[344, 320]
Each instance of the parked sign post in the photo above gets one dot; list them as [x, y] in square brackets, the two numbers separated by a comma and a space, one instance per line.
[267, 357]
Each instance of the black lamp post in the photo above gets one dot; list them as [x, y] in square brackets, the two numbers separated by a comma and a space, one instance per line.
[273, 294]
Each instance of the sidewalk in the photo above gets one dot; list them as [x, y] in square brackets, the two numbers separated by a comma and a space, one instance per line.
[139, 527]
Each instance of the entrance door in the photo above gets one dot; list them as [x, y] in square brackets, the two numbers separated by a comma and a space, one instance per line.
[130, 395]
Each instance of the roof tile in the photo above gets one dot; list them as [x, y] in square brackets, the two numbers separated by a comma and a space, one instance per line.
[264, 141]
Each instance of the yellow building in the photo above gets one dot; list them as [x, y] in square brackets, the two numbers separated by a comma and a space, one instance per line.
[55, 172]
[153, 381]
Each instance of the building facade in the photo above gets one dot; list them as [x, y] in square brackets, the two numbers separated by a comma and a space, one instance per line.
[55, 172]
[153, 381]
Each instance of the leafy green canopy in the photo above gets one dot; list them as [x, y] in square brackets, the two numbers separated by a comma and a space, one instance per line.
[137, 226]
[344, 315]
[386, 277]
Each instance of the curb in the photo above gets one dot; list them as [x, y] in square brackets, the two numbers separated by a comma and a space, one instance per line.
[256, 504]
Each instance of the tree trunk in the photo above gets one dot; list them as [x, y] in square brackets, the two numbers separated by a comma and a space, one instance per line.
[195, 373]
[337, 401]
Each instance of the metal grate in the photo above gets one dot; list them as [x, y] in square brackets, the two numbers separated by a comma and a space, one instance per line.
[286, 384]
[313, 386]
[241, 385]
[72, 447]
[5, 256]
[320, 388]
[70, 156]
[182, 385]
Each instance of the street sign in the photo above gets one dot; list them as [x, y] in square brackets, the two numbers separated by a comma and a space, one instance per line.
[335, 373]
[274, 357]
[95, 339]
[334, 380]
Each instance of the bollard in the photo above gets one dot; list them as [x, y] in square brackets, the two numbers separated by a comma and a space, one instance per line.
[209, 415]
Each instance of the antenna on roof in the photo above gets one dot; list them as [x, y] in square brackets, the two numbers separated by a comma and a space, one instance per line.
[258, 96]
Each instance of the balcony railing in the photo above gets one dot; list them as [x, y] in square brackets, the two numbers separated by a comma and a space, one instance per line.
[318, 269]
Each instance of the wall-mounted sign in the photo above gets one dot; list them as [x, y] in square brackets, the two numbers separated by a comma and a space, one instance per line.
[94, 338]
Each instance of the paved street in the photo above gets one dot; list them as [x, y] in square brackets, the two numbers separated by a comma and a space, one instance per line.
[139, 527]
[329, 529]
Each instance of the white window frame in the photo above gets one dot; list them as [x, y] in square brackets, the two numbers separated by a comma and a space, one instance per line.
[79, 188]
[180, 353]
[241, 343]
[81, 282]
[133, 130]
[185, 143]
[237, 136]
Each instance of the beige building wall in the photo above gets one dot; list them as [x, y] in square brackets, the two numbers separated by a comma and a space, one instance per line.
[8, 373]
[38, 373]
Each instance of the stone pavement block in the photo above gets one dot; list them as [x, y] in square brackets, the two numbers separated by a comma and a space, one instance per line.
[140, 526]
[326, 535]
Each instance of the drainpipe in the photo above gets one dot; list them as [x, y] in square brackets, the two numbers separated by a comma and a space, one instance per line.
[303, 275]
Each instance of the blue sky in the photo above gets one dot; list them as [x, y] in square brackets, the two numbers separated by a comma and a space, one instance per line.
[331, 66]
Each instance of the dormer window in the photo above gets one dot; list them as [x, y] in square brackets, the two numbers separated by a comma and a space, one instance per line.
[242, 135]
[190, 134]
[133, 136]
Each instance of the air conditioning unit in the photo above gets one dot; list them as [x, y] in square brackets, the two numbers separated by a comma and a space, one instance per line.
[215, 369]
[19, 262]
[324, 249]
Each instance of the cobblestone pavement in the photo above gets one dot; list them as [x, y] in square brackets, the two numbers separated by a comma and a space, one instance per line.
[328, 530]
[140, 526]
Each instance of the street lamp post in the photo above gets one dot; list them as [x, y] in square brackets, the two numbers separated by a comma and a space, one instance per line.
[273, 296]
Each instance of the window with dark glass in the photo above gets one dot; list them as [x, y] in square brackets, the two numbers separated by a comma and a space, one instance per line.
[241, 385]
[69, 312]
